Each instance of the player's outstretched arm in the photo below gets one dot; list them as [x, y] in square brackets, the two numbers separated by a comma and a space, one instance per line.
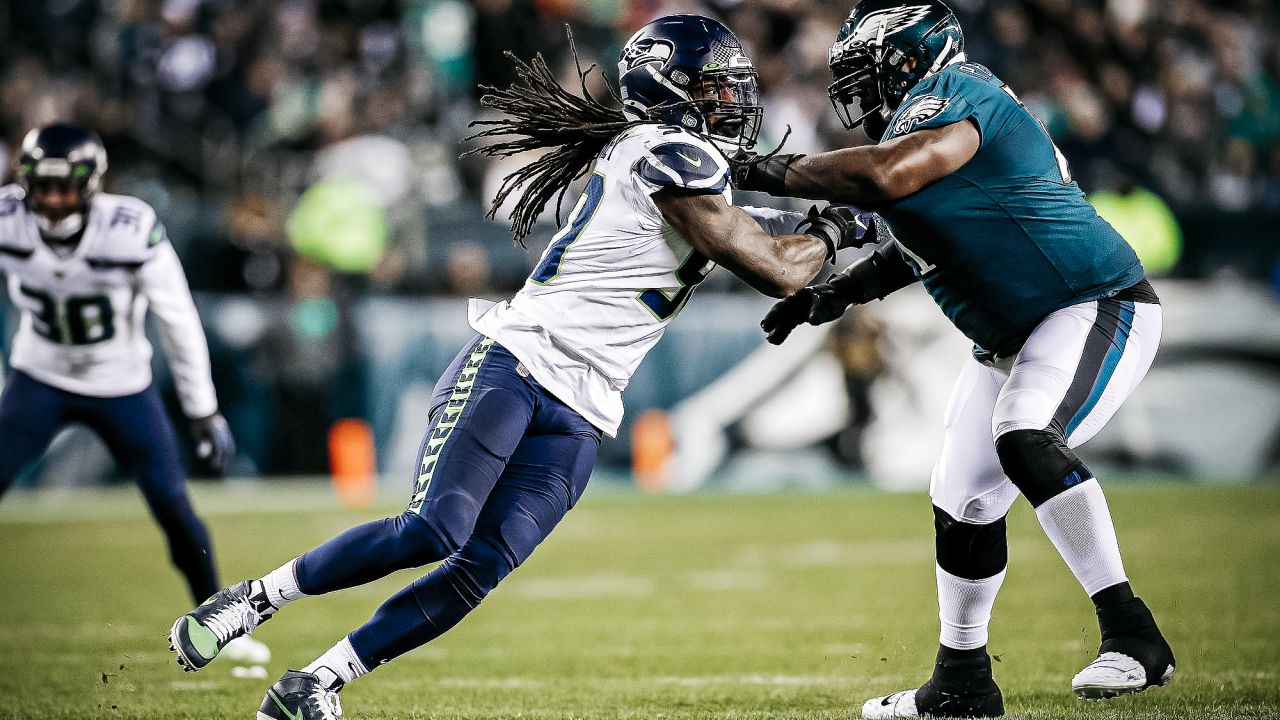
[776, 265]
[867, 174]
[162, 281]
[873, 277]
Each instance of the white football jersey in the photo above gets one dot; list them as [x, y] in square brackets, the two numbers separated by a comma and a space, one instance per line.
[82, 326]
[615, 274]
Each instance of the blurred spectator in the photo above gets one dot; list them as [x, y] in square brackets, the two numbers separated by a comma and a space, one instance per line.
[468, 270]
[315, 373]
[339, 224]
[1144, 221]
[230, 97]
[855, 342]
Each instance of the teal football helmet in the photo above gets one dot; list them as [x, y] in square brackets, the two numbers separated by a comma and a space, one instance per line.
[883, 49]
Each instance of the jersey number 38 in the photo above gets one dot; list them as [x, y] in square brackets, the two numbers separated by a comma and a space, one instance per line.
[79, 320]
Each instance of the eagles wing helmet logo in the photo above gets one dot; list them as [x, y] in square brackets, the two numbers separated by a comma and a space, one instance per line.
[920, 110]
[893, 20]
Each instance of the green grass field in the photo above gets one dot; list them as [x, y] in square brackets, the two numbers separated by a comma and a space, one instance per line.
[710, 606]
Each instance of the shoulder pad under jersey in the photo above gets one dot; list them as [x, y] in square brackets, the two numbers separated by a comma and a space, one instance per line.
[673, 157]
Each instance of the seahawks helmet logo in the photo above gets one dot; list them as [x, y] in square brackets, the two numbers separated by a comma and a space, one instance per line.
[920, 110]
[645, 51]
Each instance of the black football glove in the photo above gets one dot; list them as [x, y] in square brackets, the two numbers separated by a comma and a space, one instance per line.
[750, 172]
[215, 446]
[840, 227]
[816, 304]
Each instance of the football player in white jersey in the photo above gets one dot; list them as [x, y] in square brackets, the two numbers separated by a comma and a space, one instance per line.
[517, 419]
[84, 266]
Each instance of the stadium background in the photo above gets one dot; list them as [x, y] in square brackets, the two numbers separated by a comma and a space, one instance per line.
[305, 158]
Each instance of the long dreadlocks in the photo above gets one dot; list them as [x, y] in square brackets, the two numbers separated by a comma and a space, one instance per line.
[541, 113]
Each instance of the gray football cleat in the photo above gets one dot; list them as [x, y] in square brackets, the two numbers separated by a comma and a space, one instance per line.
[1113, 674]
[300, 695]
[197, 637]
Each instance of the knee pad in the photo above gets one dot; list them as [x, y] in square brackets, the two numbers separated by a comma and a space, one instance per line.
[972, 552]
[1040, 463]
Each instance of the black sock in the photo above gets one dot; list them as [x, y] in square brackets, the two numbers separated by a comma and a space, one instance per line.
[961, 685]
[961, 670]
[1114, 595]
[1121, 614]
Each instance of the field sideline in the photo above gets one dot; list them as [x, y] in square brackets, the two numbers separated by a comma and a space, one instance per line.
[707, 606]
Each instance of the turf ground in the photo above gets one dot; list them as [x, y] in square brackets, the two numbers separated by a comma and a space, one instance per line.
[709, 606]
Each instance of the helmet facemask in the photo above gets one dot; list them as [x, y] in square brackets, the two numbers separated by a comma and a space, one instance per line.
[730, 106]
[57, 161]
[855, 87]
[61, 221]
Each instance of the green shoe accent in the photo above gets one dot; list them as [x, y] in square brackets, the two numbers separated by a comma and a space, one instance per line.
[202, 639]
[292, 715]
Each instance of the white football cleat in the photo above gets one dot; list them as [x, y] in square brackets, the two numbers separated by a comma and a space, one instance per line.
[1113, 674]
[901, 704]
[245, 650]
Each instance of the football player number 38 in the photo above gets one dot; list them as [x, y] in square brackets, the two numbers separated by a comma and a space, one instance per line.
[79, 321]
[692, 270]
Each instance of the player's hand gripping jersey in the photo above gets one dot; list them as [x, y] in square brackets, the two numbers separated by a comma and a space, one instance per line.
[82, 326]
[613, 276]
[1008, 238]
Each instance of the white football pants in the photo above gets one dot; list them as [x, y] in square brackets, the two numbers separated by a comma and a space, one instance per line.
[1072, 374]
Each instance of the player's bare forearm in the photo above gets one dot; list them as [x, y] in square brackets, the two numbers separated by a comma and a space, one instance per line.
[775, 265]
[889, 171]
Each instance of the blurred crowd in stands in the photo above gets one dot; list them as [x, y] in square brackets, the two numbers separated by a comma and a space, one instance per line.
[331, 129]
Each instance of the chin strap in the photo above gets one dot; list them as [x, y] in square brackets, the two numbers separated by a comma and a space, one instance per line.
[863, 117]
[63, 229]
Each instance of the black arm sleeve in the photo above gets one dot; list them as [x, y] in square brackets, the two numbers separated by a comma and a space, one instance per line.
[875, 276]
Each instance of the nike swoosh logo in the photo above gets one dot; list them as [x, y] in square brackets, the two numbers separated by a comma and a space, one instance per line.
[691, 161]
[292, 715]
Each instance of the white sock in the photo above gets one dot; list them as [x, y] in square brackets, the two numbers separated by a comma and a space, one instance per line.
[1079, 524]
[338, 666]
[281, 585]
[964, 607]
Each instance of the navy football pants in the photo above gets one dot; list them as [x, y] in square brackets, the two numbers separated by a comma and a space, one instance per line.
[140, 437]
[502, 461]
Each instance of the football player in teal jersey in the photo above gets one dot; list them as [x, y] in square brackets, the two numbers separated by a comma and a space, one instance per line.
[1065, 326]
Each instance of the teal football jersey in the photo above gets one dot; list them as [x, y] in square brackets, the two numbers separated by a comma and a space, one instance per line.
[1008, 238]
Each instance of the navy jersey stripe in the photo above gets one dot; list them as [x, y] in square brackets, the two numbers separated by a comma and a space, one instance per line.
[1103, 349]
[16, 252]
[110, 264]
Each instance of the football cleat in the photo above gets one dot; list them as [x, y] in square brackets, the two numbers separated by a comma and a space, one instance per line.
[197, 637]
[901, 704]
[300, 696]
[1133, 655]
[961, 687]
[1114, 674]
[936, 704]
